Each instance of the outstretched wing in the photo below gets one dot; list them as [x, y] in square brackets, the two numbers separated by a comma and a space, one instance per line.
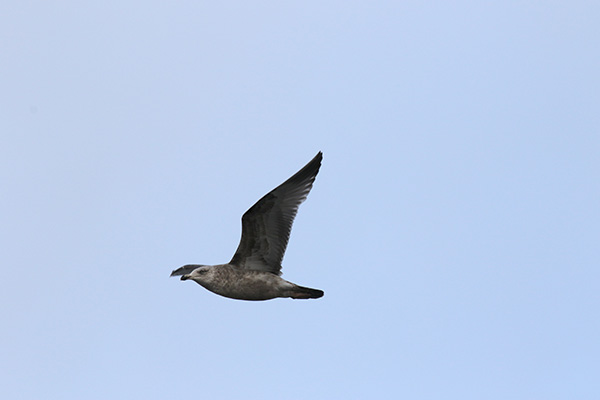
[267, 224]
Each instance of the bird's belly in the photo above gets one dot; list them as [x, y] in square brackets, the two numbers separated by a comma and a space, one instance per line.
[248, 285]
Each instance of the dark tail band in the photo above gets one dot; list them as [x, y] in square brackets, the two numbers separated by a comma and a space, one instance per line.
[301, 292]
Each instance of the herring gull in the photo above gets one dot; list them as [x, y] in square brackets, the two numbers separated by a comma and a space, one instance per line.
[254, 271]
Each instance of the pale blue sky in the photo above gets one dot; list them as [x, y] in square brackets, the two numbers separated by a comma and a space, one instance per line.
[454, 225]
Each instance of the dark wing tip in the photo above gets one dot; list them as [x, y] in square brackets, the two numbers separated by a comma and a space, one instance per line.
[310, 170]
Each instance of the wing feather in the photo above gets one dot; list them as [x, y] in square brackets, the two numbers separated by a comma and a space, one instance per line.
[266, 226]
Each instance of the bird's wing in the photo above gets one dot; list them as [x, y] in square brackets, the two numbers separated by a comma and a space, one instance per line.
[267, 224]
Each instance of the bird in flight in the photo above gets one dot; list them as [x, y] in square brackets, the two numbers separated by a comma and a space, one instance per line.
[254, 271]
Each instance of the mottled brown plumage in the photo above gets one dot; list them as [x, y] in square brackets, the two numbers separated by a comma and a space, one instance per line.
[253, 272]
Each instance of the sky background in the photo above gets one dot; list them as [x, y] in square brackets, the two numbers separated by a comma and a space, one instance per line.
[454, 225]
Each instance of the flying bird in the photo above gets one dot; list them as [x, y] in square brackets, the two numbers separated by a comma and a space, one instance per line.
[254, 271]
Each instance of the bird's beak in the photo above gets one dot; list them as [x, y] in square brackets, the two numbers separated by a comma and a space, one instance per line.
[185, 277]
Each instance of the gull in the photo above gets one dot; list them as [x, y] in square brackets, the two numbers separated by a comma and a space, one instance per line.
[254, 271]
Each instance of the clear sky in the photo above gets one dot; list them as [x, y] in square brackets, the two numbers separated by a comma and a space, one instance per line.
[454, 225]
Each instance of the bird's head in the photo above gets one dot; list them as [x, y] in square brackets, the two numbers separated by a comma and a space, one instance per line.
[198, 274]
[186, 271]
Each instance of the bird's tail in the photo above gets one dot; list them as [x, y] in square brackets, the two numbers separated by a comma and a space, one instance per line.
[301, 292]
